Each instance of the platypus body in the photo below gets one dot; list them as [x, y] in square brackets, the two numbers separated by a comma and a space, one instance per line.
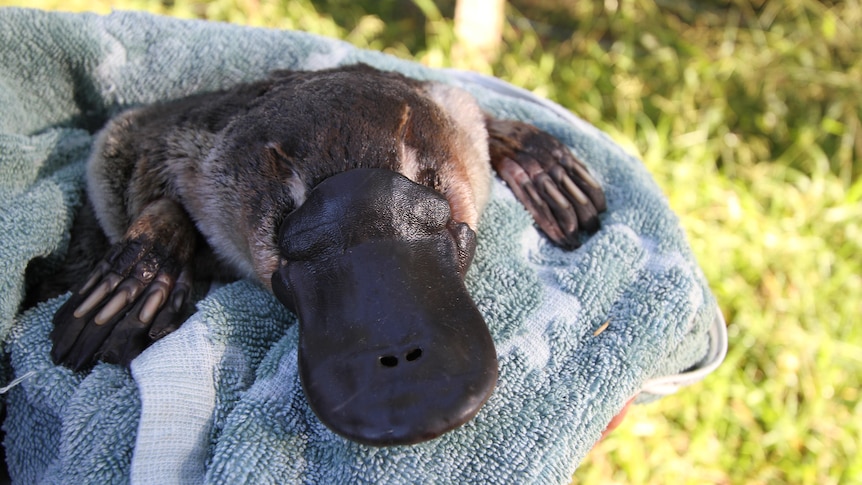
[353, 195]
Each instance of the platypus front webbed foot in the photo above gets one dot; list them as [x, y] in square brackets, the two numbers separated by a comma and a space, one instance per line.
[545, 176]
[137, 294]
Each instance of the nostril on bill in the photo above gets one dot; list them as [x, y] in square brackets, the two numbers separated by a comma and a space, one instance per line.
[392, 361]
[413, 355]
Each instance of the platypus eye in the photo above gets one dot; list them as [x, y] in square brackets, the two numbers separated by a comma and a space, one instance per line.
[274, 152]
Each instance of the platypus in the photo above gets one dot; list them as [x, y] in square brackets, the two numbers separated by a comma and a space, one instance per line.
[354, 195]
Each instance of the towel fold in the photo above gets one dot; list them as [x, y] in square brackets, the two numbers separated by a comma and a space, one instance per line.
[219, 400]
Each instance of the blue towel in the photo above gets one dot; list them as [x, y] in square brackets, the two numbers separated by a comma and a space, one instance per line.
[219, 400]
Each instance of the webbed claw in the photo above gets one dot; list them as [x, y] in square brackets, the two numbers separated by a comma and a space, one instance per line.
[137, 294]
[554, 186]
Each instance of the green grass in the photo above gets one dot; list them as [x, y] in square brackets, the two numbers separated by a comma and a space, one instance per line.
[748, 115]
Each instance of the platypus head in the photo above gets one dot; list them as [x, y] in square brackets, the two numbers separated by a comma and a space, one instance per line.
[392, 349]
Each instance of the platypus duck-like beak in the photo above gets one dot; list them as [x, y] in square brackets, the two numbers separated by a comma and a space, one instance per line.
[392, 349]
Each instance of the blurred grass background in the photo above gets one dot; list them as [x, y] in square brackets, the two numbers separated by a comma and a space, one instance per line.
[749, 115]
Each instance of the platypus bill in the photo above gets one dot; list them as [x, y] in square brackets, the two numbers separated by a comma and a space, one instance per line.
[352, 194]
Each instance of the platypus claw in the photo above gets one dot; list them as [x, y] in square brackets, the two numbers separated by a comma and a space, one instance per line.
[134, 296]
[554, 186]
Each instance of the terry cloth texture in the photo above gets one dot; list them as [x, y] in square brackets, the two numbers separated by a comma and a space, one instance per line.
[219, 400]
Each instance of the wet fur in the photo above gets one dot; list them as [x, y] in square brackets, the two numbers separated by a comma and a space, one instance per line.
[213, 162]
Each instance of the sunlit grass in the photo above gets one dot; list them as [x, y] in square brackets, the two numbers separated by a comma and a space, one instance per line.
[748, 115]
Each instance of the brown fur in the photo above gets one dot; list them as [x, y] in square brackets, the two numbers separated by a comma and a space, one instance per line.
[172, 183]
[235, 180]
